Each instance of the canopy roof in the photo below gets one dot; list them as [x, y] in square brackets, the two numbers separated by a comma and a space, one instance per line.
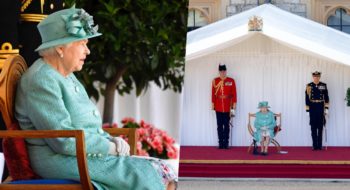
[289, 29]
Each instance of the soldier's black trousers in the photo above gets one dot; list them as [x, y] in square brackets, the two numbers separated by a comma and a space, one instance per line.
[317, 121]
[316, 134]
[223, 127]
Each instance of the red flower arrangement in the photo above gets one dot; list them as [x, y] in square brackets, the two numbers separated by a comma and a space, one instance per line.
[151, 141]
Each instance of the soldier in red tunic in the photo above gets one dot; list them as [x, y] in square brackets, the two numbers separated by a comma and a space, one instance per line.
[224, 101]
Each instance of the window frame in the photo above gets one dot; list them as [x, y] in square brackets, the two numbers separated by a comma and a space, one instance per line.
[343, 12]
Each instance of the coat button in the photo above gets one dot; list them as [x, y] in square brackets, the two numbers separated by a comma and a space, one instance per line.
[76, 89]
[89, 155]
[95, 113]
[99, 155]
[100, 131]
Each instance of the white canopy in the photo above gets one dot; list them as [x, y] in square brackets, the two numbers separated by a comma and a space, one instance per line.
[273, 65]
[292, 30]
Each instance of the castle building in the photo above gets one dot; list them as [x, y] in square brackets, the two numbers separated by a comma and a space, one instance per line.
[333, 13]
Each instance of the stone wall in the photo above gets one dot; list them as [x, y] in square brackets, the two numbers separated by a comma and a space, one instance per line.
[293, 6]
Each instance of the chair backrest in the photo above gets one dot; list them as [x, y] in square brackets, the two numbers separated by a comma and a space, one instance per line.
[15, 151]
[9, 77]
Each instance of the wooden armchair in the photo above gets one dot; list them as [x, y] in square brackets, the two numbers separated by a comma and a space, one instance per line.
[14, 67]
[278, 117]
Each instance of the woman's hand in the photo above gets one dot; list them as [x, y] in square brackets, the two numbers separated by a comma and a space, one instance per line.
[122, 147]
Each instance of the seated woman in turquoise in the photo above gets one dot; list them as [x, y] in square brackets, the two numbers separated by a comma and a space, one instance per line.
[49, 97]
[264, 124]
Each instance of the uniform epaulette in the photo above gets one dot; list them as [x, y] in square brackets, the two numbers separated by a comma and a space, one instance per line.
[308, 89]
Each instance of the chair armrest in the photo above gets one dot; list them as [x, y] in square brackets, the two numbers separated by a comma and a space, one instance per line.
[80, 151]
[130, 132]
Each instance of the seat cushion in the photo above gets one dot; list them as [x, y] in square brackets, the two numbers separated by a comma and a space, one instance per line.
[17, 158]
[45, 181]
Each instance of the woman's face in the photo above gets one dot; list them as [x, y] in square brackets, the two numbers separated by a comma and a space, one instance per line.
[74, 55]
[263, 109]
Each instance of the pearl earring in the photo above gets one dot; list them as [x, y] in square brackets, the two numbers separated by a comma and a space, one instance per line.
[61, 55]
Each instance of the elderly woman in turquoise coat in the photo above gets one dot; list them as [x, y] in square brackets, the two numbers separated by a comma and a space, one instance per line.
[264, 124]
[49, 97]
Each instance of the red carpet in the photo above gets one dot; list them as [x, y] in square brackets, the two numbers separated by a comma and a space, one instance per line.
[299, 162]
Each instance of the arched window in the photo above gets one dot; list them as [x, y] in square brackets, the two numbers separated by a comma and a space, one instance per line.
[340, 20]
[196, 19]
[260, 2]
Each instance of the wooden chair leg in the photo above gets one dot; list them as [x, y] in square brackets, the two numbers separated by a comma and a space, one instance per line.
[250, 147]
[278, 146]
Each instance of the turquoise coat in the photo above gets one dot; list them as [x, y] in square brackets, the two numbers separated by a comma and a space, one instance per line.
[264, 119]
[48, 101]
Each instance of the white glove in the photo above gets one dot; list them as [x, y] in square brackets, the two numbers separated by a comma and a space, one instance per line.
[233, 112]
[326, 111]
[112, 149]
[122, 147]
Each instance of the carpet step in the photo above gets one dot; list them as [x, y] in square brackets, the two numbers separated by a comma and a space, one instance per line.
[264, 170]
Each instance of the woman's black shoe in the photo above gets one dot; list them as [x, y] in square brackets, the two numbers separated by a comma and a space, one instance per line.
[255, 151]
[264, 153]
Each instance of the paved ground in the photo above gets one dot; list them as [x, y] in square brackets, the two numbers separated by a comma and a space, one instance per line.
[262, 184]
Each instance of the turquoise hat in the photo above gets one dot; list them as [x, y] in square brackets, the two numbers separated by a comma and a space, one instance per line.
[263, 104]
[65, 26]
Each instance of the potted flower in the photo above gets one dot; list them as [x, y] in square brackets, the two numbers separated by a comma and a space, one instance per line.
[151, 141]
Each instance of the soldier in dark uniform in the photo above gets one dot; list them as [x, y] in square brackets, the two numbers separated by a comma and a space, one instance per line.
[317, 103]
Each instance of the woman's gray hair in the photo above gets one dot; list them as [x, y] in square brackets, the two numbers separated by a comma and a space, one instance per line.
[51, 51]
[47, 52]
